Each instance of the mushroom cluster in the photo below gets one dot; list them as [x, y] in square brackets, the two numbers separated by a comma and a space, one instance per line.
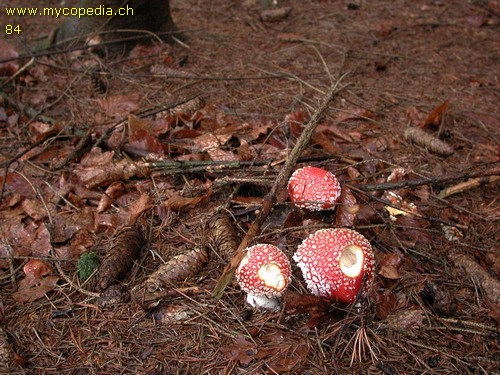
[335, 263]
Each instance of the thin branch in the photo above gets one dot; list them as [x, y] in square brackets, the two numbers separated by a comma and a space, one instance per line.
[279, 184]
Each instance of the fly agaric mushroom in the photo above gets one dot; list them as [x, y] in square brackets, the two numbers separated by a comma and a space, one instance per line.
[335, 263]
[264, 273]
[314, 188]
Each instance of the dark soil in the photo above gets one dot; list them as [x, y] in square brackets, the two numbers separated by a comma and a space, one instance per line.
[434, 305]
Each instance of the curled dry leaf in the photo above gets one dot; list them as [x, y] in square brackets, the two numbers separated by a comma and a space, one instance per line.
[348, 207]
[390, 265]
[436, 116]
[138, 207]
[125, 248]
[120, 105]
[316, 307]
[428, 141]
[115, 190]
[177, 269]
[222, 235]
[92, 177]
[37, 268]
[31, 288]
[240, 350]
[7, 51]
[177, 202]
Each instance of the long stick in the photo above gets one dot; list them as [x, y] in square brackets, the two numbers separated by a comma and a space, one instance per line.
[279, 184]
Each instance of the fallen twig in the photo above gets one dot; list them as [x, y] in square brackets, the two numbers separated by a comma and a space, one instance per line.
[467, 185]
[493, 171]
[279, 184]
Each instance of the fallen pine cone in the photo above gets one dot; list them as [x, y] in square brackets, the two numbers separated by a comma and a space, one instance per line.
[428, 141]
[126, 247]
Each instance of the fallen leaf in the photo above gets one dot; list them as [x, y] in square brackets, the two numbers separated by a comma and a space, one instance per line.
[348, 207]
[177, 202]
[385, 303]
[7, 51]
[138, 207]
[115, 190]
[436, 116]
[37, 268]
[121, 104]
[240, 350]
[389, 266]
[31, 288]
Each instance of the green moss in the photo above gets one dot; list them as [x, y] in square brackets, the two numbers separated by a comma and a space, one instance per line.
[87, 264]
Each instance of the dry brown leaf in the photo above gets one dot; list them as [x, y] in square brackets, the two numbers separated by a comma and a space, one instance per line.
[37, 268]
[138, 207]
[348, 207]
[92, 177]
[355, 114]
[389, 266]
[31, 288]
[115, 190]
[296, 303]
[96, 157]
[34, 209]
[436, 116]
[176, 202]
[7, 51]
[385, 303]
[121, 104]
[240, 350]
[125, 248]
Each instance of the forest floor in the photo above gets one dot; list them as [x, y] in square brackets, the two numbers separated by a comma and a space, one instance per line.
[163, 155]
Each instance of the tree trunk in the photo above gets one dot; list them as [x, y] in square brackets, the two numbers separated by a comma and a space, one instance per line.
[142, 17]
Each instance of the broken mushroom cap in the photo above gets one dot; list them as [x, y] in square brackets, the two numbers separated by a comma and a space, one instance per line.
[314, 188]
[264, 273]
[335, 263]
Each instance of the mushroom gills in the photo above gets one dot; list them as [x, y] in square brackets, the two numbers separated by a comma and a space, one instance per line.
[351, 261]
[272, 276]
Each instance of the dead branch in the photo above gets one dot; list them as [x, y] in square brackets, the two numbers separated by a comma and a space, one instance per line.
[490, 285]
[493, 171]
[279, 184]
[467, 185]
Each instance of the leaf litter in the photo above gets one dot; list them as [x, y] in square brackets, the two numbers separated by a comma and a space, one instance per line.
[129, 158]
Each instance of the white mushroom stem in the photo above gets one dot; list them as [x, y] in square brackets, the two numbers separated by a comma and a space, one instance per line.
[269, 303]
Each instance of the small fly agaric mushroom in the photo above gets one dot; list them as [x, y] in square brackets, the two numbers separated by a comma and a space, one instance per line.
[264, 273]
[314, 188]
[335, 262]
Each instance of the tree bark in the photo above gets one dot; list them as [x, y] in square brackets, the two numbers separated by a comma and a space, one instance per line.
[142, 18]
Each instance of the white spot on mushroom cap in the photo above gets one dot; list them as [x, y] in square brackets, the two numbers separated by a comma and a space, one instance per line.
[318, 257]
[314, 188]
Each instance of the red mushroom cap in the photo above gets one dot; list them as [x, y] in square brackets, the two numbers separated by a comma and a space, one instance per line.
[314, 188]
[333, 262]
[264, 271]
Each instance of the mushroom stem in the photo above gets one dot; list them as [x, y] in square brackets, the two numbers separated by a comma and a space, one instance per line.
[269, 303]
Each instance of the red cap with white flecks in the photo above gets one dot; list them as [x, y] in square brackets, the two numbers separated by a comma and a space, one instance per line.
[264, 271]
[334, 261]
[314, 188]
